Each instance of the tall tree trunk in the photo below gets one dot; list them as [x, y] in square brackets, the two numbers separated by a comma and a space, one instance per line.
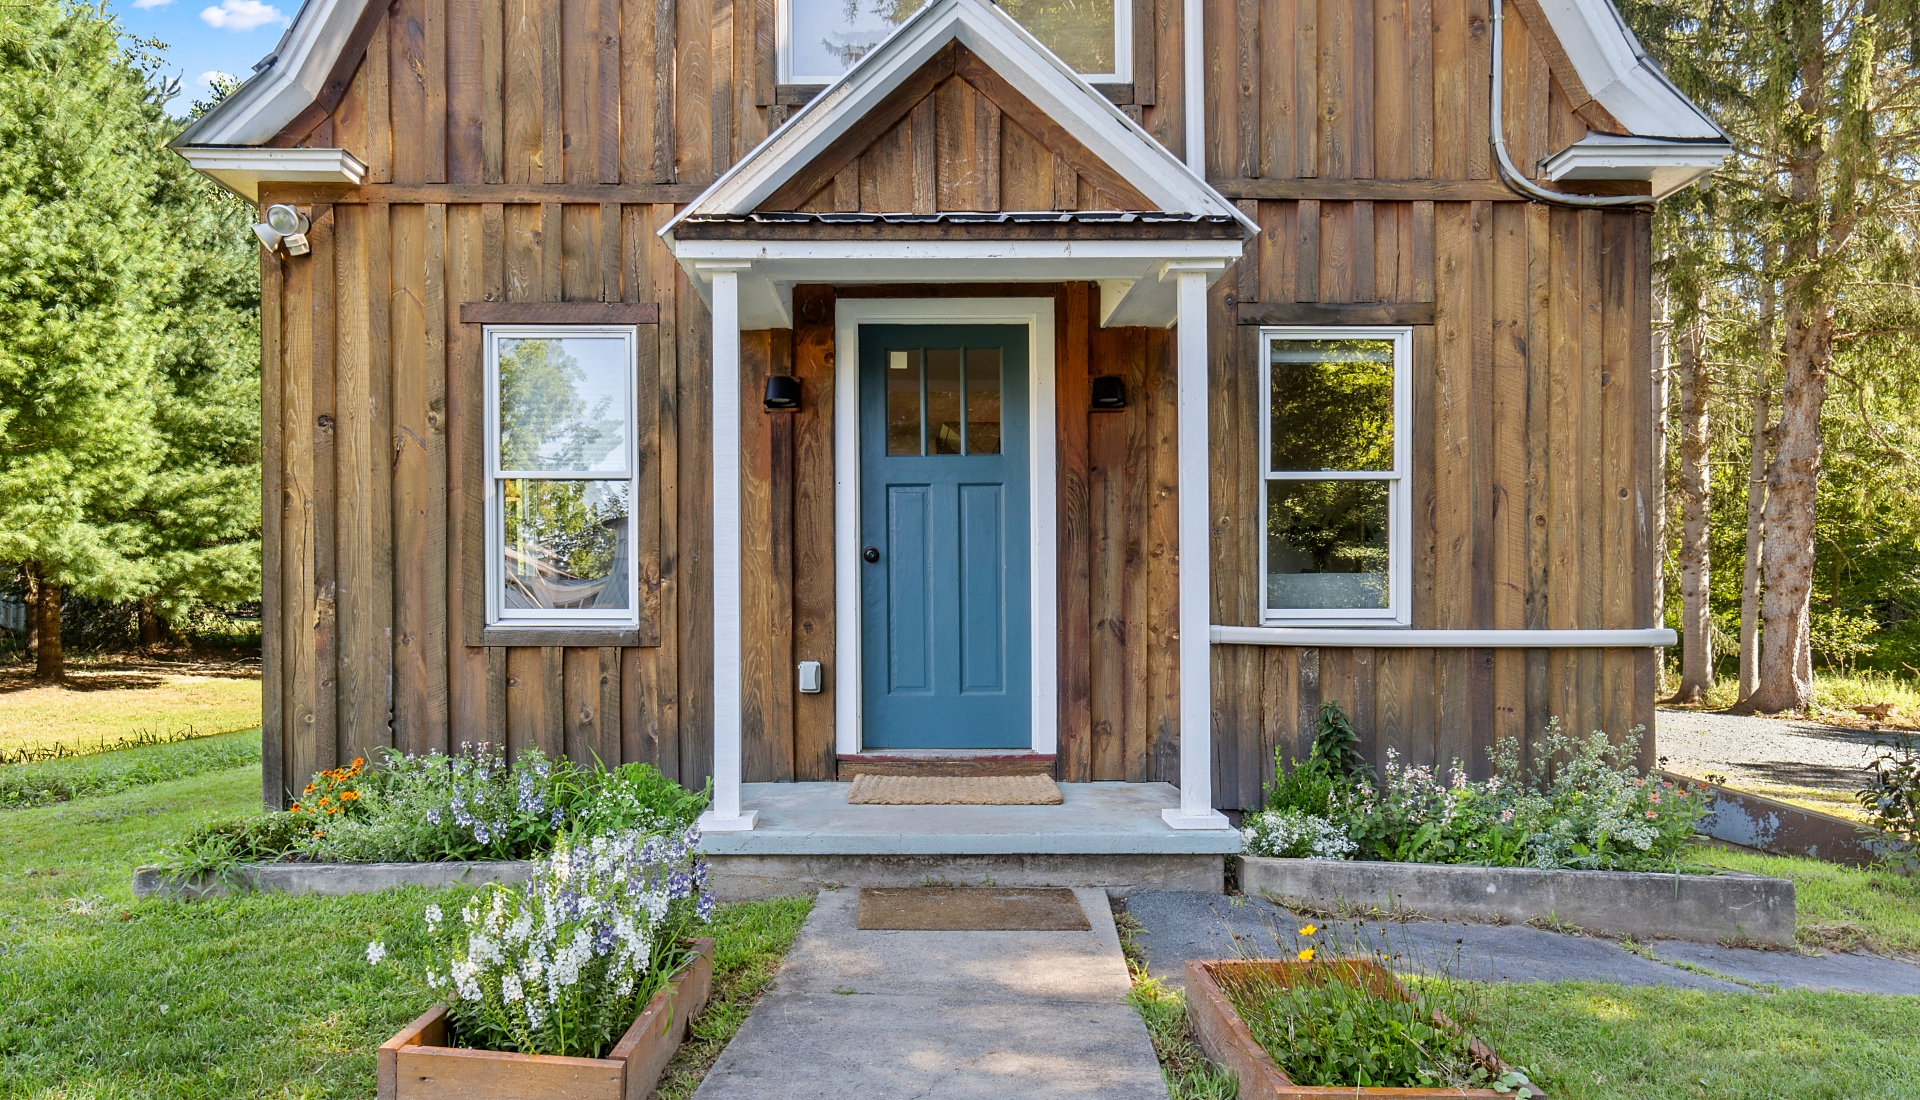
[1793, 482]
[1793, 477]
[1757, 488]
[154, 631]
[49, 663]
[1696, 614]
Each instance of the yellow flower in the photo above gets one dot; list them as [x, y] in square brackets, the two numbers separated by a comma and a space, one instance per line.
[1309, 930]
[1305, 955]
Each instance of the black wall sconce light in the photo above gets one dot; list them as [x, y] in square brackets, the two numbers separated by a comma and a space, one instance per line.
[783, 393]
[1109, 393]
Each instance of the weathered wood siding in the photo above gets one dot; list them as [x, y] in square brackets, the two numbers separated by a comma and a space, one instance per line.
[528, 150]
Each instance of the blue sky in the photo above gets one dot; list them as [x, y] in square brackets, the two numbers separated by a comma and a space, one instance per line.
[206, 36]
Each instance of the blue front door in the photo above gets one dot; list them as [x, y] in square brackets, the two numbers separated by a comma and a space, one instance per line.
[943, 537]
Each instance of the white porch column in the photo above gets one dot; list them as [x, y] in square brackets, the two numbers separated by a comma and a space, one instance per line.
[1196, 664]
[726, 815]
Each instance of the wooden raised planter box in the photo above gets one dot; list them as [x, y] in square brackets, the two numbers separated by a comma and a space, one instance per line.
[1228, 1042]
[417, 1064]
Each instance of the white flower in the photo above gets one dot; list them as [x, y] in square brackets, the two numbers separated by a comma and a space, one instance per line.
[375, 952]
[510, 989]
[434, 917]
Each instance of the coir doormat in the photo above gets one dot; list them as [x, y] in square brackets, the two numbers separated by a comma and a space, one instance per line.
[954, 790]
[971, 909]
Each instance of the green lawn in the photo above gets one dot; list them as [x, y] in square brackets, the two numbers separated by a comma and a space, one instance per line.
[104, 701]
[1841, 908]
[268, 996]
[1589, 1041]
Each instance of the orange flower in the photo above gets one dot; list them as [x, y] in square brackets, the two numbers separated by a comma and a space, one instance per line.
[357, 761]
[349, 796]
[309, 789]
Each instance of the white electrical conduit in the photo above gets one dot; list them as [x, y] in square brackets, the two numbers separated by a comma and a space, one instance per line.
[1509, 173]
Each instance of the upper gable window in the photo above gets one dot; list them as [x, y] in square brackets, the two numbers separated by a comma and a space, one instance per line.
[821, 39]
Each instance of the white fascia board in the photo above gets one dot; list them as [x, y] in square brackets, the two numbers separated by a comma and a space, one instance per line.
[771, 269]
[1021, 60]
[243, 170]
[1667, 165]
[1621, 77]
[295, 74]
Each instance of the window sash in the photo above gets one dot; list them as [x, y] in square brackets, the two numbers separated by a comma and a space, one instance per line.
[1122, 49]
[498, 614]
[1399, 510]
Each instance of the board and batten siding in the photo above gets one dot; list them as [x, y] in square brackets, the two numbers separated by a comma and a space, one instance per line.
[528, 151]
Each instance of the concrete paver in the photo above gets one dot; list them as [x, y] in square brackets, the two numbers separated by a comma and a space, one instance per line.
[1181, 926]
[948, 1015]
[1846, 973]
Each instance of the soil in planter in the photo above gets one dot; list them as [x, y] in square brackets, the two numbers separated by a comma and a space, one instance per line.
[1338, 1023]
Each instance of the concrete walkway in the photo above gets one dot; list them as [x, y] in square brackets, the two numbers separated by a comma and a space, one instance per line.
[1181, 926]
[862, 1014]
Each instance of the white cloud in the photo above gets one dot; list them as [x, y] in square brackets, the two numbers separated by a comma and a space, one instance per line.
[144, 4]
[207, 78]
[241, 15]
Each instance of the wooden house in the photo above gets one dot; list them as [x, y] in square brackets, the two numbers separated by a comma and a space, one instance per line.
[775, 389]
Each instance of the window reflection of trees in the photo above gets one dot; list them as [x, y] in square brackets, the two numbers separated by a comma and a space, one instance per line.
[1080, 32]
[566, 543]
[1332, 405]
[545, 421]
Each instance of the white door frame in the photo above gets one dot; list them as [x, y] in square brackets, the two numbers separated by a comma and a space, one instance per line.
[1043, 568]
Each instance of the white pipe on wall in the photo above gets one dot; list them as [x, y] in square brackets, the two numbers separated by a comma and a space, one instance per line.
[1193, 53]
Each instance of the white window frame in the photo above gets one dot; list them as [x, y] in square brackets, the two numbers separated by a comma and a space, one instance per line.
[1122, 49]
[497, 614]
[1399, 502]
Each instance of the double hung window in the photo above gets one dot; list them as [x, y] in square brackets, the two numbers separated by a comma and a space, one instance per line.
[561, 475]
[821, 39]
[1334, 460]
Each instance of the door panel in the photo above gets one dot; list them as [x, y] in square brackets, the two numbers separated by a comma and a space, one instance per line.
[983, 550]
[944, 505]
[909, 564]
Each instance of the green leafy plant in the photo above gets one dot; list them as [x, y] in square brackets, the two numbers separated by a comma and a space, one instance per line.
[1583, 806]
[1892, 797]
[1333, 1016]
[1336, 746]
[217, 847]
[636, 796]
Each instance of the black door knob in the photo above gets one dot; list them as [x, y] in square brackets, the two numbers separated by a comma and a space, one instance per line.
[871, 554]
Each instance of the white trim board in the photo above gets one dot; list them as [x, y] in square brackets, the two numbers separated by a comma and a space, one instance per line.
[1390, 638]
[285, 83]
[1043, 568]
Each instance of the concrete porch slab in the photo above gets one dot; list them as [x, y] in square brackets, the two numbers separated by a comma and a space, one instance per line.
[813, 819]
[1105, 836]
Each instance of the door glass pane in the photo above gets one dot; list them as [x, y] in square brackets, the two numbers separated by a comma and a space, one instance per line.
[565, 544]
[903, 402]
[830, 35]
[1326, 545]
[983, 401]
[1079, 31]
[943, 401]
[1332, 404]
[564, 404]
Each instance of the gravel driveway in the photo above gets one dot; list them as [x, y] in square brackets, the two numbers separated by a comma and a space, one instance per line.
[1778, 751]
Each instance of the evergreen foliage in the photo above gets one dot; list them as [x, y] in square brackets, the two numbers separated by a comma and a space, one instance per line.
[129, 394]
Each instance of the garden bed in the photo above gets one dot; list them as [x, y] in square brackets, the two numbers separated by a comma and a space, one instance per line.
[326, 879]
[416, 1064]
[1227, 1040]
[1644, 905]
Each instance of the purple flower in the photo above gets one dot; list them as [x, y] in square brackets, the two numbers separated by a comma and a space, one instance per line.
[433, 815]
[704, 908]
[559, 815]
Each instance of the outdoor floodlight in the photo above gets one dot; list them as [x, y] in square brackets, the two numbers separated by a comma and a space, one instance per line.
[284, 225]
